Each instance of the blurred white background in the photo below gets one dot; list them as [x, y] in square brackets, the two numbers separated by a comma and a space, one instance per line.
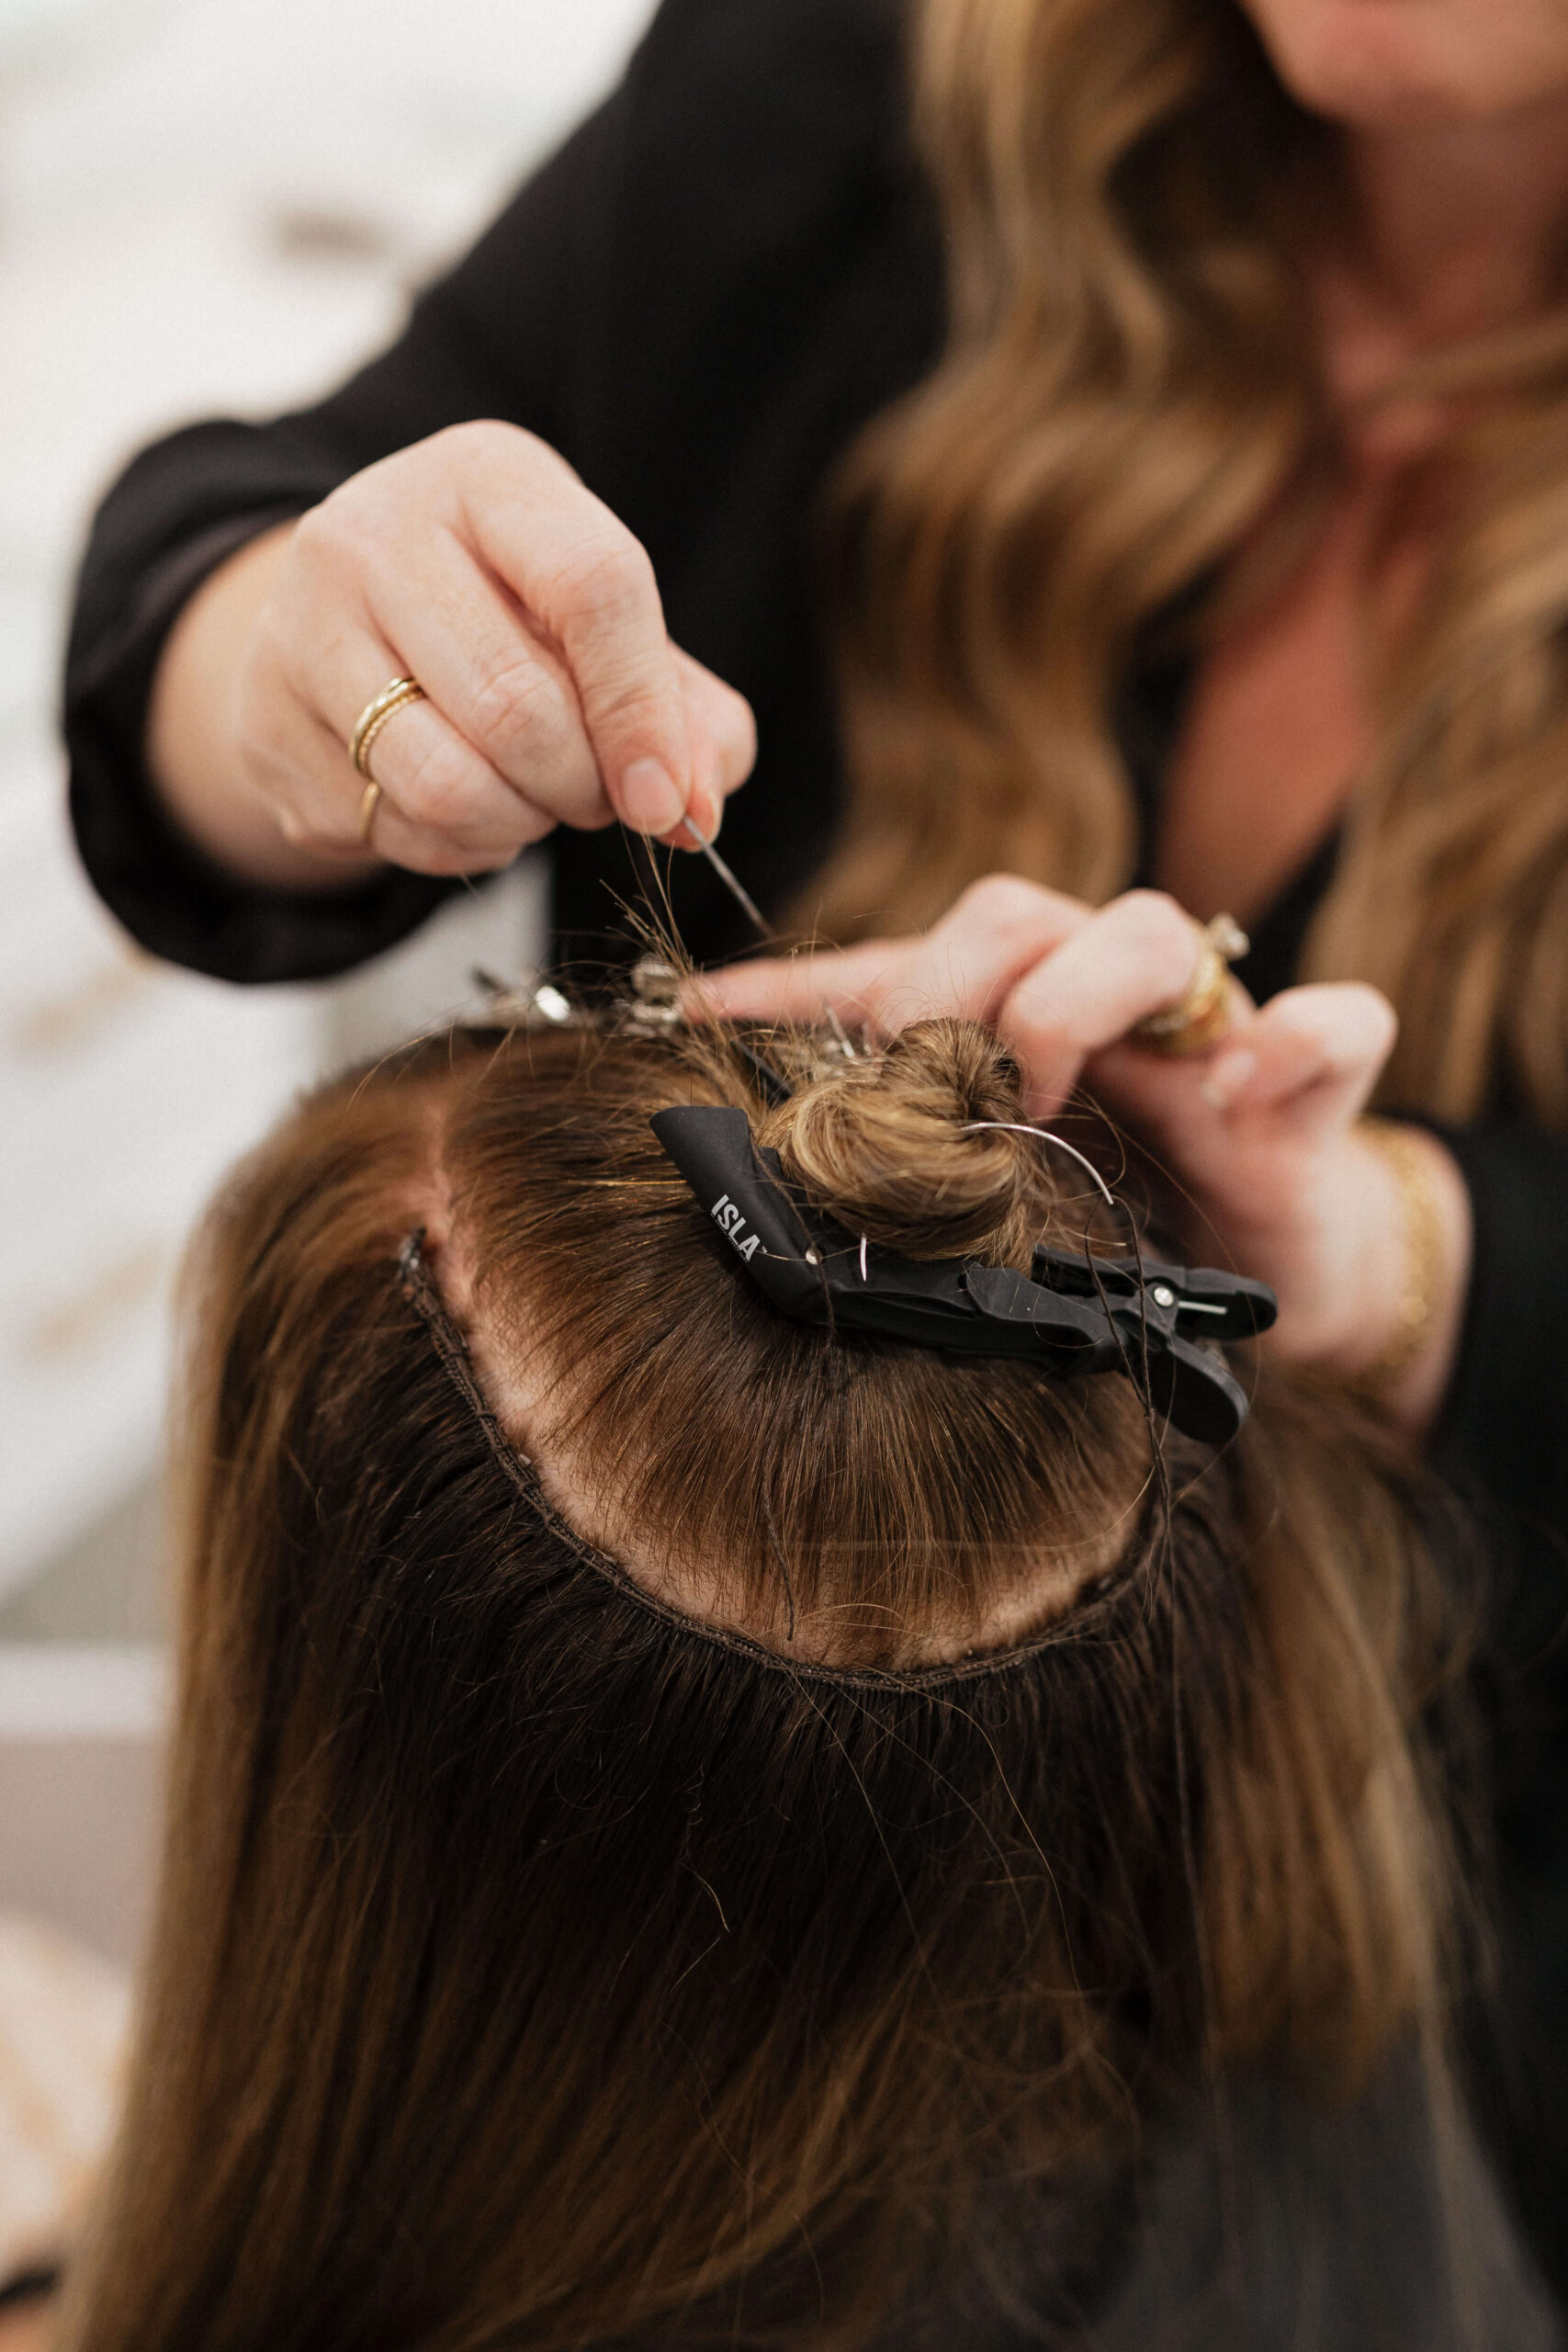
[205, 206]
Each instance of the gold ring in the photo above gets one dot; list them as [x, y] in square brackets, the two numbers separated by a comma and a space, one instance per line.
[369, 801]
[1201, 1014]
[374, 716]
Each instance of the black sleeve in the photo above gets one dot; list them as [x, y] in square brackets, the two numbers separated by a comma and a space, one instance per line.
[697, 302]
[1503, 1438]
[1507, 1418]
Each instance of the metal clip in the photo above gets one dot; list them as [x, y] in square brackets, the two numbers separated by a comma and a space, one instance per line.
[655, 1009]
[516, 1005]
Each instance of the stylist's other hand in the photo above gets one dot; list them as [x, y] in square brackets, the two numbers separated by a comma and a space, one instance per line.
[478, 563]
[1260, 1132]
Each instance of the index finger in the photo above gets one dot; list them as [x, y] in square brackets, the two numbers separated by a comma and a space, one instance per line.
[794, 987]
[1135, 957]
[590, 584]
[962, 968]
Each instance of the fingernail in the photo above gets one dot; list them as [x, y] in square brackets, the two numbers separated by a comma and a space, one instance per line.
[701, 823]
[1228, 1076]
[707, 812]
[651, 797]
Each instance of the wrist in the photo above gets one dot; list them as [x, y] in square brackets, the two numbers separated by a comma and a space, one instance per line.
[1395, 1333]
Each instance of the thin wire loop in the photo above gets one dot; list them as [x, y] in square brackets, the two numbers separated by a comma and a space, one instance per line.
[1015, 1127]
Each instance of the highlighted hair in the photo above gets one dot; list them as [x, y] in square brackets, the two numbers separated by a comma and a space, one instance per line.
[1130, 389]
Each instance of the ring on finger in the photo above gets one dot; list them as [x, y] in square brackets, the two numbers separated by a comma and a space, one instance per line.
[376, 713]
[1201, 1014]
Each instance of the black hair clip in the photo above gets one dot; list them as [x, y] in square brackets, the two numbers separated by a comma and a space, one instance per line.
[1077, 1315]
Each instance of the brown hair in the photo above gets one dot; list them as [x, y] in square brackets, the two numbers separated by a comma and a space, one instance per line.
[1130, 386]
[540, 1961]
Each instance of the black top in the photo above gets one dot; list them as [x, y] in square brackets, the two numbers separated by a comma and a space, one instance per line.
[728, 269]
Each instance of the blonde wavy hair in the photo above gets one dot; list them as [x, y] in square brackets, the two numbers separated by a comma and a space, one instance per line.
[1130, 389]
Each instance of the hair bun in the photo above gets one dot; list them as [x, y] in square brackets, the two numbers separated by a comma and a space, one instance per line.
[891, 1146]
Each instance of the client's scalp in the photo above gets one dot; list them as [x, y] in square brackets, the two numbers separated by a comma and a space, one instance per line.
[846, 1496]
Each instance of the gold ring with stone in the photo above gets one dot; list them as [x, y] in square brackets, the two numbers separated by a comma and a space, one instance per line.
[1201, 1014]
[374, 716]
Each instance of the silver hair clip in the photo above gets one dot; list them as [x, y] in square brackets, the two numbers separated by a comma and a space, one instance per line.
[515, 1006]
[655, 1007]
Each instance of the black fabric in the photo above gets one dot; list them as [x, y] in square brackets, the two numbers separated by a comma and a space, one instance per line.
[720, 278]
[1275, 2225]
[728, 269]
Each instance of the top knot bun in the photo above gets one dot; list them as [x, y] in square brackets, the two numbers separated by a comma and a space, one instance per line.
[881, 1144]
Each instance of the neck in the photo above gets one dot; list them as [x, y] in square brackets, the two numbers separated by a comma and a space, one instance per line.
[1459, 222]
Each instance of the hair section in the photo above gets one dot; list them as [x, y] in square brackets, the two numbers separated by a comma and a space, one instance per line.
[534, 1966]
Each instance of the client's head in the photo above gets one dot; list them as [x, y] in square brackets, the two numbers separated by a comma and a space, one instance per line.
[678, 1814]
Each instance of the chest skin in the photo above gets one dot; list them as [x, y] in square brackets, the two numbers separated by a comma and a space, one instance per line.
[1282, 717]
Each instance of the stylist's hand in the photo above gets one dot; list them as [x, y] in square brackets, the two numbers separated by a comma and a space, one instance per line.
[1260, 1132]
[478, 563]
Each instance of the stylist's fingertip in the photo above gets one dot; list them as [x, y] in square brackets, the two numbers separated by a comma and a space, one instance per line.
[651, 800]
[1229, 1075]
[700, 825]
[704, 997]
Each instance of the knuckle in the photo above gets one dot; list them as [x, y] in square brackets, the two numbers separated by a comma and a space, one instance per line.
[483, 442]
[474, 437]
[999, 901]
[437, 784]
[1024, 1021]
[513, 705]
[607, 575]
[1157, 912]
[627, 702]
[1165, 933]
[316, 532]
[347, 528]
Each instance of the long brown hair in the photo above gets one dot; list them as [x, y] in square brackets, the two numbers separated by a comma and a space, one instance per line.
[1131, 385]
[550, 1951]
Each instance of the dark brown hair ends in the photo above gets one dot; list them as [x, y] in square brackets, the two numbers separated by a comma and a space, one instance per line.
[536, 1967]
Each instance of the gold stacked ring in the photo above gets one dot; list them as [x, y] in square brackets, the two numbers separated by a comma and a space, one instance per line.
[367, 726]
[375, 716]
[1200, 1016]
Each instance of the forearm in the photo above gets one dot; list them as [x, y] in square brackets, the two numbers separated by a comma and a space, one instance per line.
[1375, 1248]
[194, 731]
